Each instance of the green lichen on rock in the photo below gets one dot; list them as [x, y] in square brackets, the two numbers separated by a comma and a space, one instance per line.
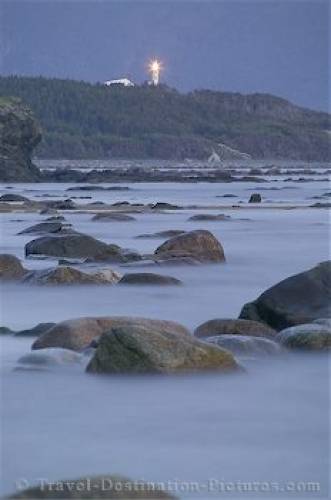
[19, 134]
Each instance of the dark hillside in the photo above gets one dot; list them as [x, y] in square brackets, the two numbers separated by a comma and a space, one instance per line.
[82, 120]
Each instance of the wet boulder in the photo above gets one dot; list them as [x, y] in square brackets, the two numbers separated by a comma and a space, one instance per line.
[75, 246]
[200, 245]
[132, 349]
[255, 198]
[309, 337]
[244, 345]
[95, 488]
[66, 275]
[11, 267]
[220, 326]
[76, 334]
[148, 279]
[298, 299]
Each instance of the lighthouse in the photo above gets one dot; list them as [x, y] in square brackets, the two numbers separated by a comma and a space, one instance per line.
[154, 70]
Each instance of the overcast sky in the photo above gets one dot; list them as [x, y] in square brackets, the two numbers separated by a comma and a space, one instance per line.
[274, 46]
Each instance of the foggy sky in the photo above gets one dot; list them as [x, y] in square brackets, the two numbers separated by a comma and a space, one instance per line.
[279, 47]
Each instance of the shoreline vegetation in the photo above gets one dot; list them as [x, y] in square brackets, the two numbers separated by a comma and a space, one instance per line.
[92, 121]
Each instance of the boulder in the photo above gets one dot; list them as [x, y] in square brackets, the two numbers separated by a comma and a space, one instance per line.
[65, 275]
[148, 279]
[76, 246]
[11, 267]
[112, 217]
[255, 198]
[242, 345]
[234, 327]
[76, 334]
[208, 217]
[310, 337]
[132, 349]
[162, 234]
[43, 227]
[200, 245]
[298, 299]
[95, 488]
[35, 331]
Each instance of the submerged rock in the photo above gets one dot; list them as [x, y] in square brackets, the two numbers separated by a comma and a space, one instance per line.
[141, 349]
[311, 337]
[95, 488]
[200, 245]
[112, 217]
[296, 300]
[11, 267]
[65, 275]
[76, 334]
[245, 345]
[220, 326]
[148, 279]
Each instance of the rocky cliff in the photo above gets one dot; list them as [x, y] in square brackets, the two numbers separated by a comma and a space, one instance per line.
[19, 134]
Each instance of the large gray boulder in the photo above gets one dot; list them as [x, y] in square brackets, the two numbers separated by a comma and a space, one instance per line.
[298, 299]
[132, 349]
[200, 245]
[76, 246]
[310, 337]
[94, 488]
[220, 326]
[11, 267]
[76, 334]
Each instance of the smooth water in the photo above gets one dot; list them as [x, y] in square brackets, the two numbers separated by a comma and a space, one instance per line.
[268, 425]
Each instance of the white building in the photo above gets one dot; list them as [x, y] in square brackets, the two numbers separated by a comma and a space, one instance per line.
[125, 82]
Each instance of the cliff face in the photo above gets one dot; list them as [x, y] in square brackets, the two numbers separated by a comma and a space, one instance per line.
[19, 134]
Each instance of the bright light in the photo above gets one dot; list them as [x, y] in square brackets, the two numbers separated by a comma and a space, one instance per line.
[155, 68]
